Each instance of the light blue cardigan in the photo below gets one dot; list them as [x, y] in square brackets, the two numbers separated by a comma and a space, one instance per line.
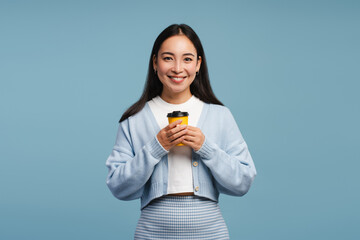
[138, 163]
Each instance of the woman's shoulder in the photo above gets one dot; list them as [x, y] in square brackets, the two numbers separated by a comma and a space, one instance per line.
[217, 114]
[139, 116]
[218, 109]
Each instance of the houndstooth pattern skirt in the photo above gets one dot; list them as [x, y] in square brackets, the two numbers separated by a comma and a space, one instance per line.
[181, 217]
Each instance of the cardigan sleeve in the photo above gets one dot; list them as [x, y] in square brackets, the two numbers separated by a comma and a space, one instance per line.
[129, 170]
[232, 167]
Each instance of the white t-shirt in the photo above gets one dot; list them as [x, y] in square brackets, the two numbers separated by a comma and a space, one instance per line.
[179, 158]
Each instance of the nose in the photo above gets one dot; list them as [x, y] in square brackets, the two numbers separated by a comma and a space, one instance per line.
[177, 67]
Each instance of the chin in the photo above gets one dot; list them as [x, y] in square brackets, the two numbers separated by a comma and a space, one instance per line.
[175, 91]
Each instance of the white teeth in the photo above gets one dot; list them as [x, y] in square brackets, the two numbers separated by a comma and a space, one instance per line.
[177, 78]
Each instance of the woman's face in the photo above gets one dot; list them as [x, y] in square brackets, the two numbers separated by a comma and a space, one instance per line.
[176, 65]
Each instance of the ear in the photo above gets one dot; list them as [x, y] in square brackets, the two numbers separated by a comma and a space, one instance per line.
[154, 62]
[198, 63]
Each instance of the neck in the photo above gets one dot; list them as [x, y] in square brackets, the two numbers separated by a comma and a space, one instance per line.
[176, 98]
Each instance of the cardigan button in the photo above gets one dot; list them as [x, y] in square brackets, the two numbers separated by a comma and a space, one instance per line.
[196, 189]
[195, 164]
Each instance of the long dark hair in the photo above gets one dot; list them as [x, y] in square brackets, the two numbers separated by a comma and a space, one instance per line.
[200, 87]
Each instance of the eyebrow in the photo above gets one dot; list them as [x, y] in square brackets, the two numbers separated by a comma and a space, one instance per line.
[185, 54]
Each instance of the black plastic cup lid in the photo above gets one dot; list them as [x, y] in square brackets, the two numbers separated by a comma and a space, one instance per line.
[178, 114]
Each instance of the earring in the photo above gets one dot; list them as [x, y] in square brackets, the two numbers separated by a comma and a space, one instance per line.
[197, 73]
[155, 71]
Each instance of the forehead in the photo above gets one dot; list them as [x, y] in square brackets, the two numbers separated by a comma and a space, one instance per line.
[178, 44]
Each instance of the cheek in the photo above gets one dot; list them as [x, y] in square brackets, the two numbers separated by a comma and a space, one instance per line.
[163, 67]
[192, 69]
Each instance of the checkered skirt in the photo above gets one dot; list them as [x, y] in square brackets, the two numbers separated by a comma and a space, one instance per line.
[181, 217]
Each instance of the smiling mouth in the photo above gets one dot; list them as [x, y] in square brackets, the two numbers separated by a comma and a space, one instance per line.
[177, 79]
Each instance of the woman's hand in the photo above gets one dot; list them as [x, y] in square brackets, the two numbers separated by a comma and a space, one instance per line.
[172, 134]
[194, 138]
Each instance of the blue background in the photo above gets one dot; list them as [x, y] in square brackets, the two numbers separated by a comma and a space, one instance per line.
[288, 70]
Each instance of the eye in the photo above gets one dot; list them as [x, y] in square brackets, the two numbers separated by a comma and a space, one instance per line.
[187, 59]
[167, 58]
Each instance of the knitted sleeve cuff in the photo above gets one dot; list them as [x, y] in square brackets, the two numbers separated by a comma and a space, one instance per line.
[207, 149]
[155, 148]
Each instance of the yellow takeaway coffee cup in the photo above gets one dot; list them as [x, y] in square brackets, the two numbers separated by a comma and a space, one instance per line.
[176, 115]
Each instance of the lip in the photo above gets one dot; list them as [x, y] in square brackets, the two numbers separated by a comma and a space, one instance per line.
[177, 79]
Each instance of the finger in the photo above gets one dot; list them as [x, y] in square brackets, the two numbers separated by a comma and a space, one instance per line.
[175, 130]
[193, 133]
[190, 138]
[193, 128]
[177, 135]
[193, 145]
[177, 141]
[173, 124]
[188, 143]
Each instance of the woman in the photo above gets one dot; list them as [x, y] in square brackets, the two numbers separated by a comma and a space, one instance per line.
[179, 186]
